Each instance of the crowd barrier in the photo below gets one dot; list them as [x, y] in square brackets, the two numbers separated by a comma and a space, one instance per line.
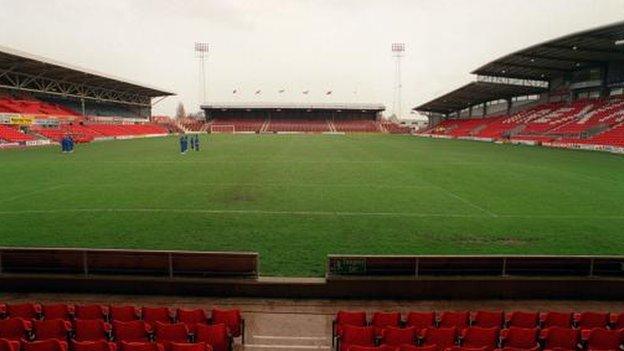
[89, 262]
[497, 266]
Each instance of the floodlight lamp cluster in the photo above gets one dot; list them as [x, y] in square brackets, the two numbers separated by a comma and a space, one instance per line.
[202, 47]
[398, 47]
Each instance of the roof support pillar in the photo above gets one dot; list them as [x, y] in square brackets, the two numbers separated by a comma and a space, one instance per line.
[82, 106]
[470, 112]
[484, 109]
[509, 106]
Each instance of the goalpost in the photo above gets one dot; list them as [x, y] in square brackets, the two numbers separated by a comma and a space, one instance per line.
[222, 128]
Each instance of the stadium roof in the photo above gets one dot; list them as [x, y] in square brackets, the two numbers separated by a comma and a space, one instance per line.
[476, 93]
[23, 71]
[293, 106]
[553, 58]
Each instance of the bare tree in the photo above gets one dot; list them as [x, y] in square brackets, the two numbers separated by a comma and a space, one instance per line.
[180, 111]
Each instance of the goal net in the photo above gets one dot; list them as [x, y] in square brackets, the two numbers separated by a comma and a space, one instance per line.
[222, 128]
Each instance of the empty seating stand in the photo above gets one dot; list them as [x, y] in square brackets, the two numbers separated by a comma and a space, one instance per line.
[10, 134]
[478, 331]
[597, 122]
[31, 326]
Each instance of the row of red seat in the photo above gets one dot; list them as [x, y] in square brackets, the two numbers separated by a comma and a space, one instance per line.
[545, 122]
[33, 106]
[307, 126]
[486, 319]
[60, 345]
[356, 338]
[297, 125]
[218, 335]
[231, 318]
[13, 135]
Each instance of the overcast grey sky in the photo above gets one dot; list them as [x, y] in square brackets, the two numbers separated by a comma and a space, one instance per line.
[296, 45]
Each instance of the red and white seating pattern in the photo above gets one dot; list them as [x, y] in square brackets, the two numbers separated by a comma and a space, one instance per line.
[551, 122]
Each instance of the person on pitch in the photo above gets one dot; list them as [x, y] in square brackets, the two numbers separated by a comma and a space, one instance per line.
[64, 144]
[183, 144]
[196, 142]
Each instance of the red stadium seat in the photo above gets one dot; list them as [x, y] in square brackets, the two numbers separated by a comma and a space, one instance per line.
[140, 346]
[617, 321]
[353, 335]
[156, 314]
[45, 345]
[421, 320]
[165, 332]
[440, 337]
[599, 339]
[25, 310]
[133, 331]
[477, 337]
[458, 320]
[590, 320]
[176, 346]
[91, 330]
[232, 319]
[516, 338]
[91, 312]
[488, 319]
[215, 335]
[394, 336]
[100, 345]
[560, 339]
[556, 319]
[51, 329]
[9, 345]
[14, 328]
[355, 318]
[522, 319]
[381, 320]
[57, 311]
[123, 313]
[191, 317]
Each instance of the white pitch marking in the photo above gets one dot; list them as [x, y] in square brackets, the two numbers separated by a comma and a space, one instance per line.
[311, 213]
[263, 212]
[469, 203]
[278, 185]
[39, 191]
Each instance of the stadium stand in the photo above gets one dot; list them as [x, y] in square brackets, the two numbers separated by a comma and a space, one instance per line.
[34, 107]
[297, 125]
[359, 126]
[519, 331]
[32, 325]
[523, 98]
[11, 134]
[546, 123]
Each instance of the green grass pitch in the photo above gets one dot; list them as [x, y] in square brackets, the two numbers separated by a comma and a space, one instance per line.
[296, 198]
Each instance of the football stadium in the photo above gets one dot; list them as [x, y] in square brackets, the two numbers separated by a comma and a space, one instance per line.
[312, 223]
